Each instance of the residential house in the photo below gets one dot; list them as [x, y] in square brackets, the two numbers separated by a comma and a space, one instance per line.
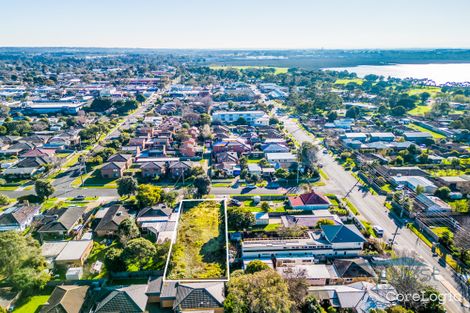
[418, 137]
[353, 270]
[387, 137]
[413, 182]
[113, 170]
[60, 222]
[330, 242]
[226, 157]
[129, 299]
[188, 148]
[153, 169]
[121, 158]
[233, 145]
[315, 274]
[232, 116]
[187, 297]
[74, 253]
[457, 183]
[358, 297]
[66, 299]
[274, 148]
[21, 172]
[18, 217]
[140, 142]
[180, 169]
[309, 201]
[34, 162]
[432, 204]
[111, 220]
[281, 160]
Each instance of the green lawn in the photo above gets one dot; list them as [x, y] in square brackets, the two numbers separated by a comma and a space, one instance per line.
[351, 206]
[277, 70]
[32, 304]
[446, 172]
[422, 129]
[95, 180]
[432, 90]
[346, 81]
[420, 110]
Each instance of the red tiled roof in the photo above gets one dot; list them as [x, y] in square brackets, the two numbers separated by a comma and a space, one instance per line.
[311, 198]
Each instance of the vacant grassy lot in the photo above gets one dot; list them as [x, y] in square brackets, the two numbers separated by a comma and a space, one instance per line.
[422, 129]
[199, 251]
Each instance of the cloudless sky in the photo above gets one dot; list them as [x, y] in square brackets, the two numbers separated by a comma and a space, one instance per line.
[236, 23]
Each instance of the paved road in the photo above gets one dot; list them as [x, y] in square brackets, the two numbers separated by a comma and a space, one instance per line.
[372, 208]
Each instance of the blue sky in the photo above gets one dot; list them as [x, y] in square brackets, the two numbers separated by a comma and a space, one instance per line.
[236, 24]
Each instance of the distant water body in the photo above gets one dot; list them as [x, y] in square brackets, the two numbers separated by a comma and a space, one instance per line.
[439, 73]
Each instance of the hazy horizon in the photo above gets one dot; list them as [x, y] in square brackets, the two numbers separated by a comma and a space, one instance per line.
[241, 25]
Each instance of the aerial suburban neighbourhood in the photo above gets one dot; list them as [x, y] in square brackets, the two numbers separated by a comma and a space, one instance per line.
[230, 180]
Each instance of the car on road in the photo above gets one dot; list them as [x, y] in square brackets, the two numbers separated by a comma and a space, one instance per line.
[325, 151]
[235, 202]
[79, 198]
[251, 186]
[379, 231]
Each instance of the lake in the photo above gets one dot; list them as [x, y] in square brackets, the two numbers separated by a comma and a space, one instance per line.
[439, 73]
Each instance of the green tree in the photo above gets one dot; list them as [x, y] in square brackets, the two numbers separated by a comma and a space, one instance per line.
[113, 260]
[265, 206]
[311, 305]
[332, 116]
[140, 98]
[28, 279]
[281, 173]
[128, 230]
[324, 221]
[239, 218]
[4, 200]
[138, 253]
[202, 184]
[126, 186]
[263, 291]
[205, 119]
[148, 195]
[308, 154]
[43, 189]
[442, 192]
[256, 266]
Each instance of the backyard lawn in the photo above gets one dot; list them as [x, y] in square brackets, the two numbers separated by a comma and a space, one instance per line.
[199, 251]
[32, 304]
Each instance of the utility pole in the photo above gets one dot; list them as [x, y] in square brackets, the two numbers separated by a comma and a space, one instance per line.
[394, 237]
[352, 188]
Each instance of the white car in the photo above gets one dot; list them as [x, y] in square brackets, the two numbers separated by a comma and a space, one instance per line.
[379, 231]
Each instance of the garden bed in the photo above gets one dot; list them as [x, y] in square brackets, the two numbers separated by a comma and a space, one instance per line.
[199, 250]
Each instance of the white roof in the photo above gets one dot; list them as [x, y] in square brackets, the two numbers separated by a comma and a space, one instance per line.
[74, 250]
[312, 271]
[280, 155]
